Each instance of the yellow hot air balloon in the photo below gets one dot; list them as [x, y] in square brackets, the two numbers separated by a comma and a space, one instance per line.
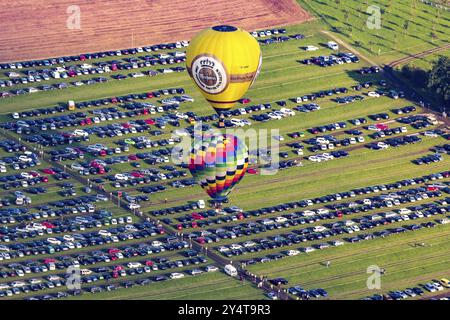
[223, 62]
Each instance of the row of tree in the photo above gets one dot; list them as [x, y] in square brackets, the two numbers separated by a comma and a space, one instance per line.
[437, 80]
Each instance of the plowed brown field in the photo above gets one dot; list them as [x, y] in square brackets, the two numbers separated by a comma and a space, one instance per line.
[32, 29]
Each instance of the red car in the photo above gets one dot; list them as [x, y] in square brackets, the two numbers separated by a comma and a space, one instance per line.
[194, 224]
[201, 240]
[197, 216]
[149, 121]
[48, 225]
[381, 126]
[137, 174]
[132, 157]
[44, 179]
[48, 171]
[113, 250]
[149, 263]
[245, 100]
[179, 226]
[150, 95]
[94, 164]
[252, 171]
[35, 174]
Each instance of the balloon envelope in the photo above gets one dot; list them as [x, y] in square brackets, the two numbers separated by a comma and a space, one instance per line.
[218, 162]
[223, 61]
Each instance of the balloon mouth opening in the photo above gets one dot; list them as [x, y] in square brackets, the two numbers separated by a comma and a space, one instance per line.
[224, 28]
[219, 199]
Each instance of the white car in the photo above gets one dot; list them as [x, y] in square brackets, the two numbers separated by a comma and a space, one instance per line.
[308, 249]
[280, 219]
[235, 246]
[311, 48]
[315, 159]
[430, 134]
[176, 275]
[80, 133]
[337, 243]
[133, 206]
[26, 175]
[373, 94]
[211, 268]
[237, 122]
[120, 176]
[273, 115]
[157, 243]
[319, 228]
[249, 243]
[287, 111]
[133, 265]
[53, 241]
[76, 166]
[104, 233]
[292, 253]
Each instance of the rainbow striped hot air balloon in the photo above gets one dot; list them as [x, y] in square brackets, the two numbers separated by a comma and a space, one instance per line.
[223, 61]
[218, 162]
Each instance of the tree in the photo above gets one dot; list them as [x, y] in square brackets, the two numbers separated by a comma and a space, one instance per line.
[439, 78]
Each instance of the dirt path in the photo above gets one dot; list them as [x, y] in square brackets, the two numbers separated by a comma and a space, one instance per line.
[418, 55]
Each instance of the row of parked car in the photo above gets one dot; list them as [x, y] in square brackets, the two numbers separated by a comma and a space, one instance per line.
[331, 60]
[207, 218]
[328, 229]
[394, 142]
[116, 253]
[432, 286]
[52, 245]
[428, 159]
[126, 284]
[96, 55]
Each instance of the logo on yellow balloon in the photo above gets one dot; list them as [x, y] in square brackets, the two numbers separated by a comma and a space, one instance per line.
[209, 74]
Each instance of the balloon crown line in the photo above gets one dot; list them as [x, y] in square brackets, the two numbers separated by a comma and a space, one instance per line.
[224, 28]
[207, 62]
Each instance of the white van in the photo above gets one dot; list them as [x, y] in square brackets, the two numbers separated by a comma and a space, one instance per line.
[230, 270]
[332, 45]
[201, 204]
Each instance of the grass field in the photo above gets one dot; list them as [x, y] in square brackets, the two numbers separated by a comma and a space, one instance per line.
[283, 77]
[406, 264]
[406, 26]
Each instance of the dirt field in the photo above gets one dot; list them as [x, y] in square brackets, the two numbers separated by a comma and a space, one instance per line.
[32, 29]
